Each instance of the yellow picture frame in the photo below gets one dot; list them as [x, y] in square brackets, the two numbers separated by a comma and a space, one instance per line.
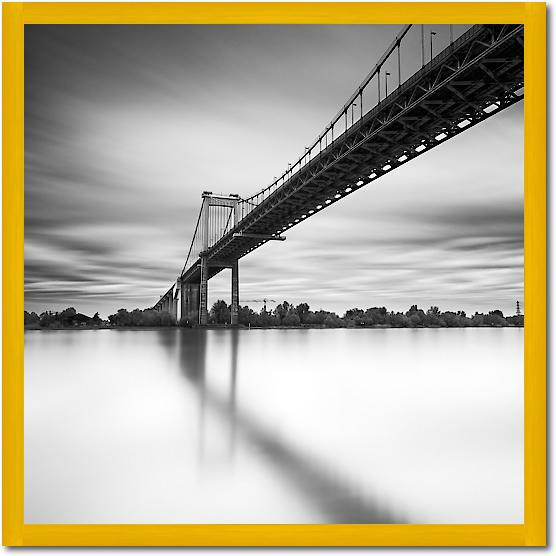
[533, 531]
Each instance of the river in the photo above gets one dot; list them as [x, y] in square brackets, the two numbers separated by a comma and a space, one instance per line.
[274, 426]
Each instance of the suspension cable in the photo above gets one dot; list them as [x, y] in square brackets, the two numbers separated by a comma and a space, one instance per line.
[228, 221]
[193, 240]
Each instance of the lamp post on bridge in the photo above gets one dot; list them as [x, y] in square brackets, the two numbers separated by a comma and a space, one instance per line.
[432, 35]
[386, 77]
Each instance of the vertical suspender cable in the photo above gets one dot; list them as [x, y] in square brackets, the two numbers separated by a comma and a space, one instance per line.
[423, 45]
[399, 67]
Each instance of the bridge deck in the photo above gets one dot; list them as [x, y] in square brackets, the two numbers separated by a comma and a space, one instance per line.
[480, 74]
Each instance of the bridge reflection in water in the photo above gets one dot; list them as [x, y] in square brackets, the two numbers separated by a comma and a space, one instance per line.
[334, 496]
[274, 426]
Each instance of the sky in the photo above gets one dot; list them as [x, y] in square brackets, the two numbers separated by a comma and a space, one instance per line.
[125, 126]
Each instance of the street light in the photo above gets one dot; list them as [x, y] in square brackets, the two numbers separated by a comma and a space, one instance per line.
[432, 34]
[352, 106]
[387, 74]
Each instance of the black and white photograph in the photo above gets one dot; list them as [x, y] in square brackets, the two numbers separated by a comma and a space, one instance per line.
[274, 274]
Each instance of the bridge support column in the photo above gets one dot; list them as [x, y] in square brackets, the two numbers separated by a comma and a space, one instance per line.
[194, 303]
[235, 293]
[173, 306]
[177, 301]
[190, 302]
[203, 293]
[184, 298]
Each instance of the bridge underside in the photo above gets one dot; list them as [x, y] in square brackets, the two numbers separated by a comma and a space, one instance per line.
[479, 75]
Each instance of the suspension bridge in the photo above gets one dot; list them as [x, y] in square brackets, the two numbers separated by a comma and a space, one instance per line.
[469, 79]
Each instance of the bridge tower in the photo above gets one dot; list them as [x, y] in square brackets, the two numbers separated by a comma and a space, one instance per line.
[219, 214]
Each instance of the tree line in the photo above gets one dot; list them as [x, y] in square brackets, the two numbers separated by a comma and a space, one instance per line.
[284, 315]
[288, 315]
[70, 318]
[67, 318]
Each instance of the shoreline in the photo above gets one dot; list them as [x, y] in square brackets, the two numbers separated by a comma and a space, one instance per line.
[242, 327]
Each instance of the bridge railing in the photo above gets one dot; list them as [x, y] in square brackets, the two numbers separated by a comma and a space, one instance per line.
[413, 48]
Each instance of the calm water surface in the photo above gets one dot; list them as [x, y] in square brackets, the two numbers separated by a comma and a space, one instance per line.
[274, 426]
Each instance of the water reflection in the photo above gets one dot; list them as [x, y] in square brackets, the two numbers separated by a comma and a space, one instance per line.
[274, 426]
[333, 496]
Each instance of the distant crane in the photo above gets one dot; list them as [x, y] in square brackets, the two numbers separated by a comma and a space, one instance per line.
[260, 301]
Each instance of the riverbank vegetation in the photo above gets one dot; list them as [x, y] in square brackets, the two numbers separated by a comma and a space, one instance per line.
[285, 315]
[68, 318]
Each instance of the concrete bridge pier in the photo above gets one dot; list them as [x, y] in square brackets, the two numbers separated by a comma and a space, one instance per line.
[203, 293]
[189, 299]
[235, 293]
[172, 305]
[177, 301]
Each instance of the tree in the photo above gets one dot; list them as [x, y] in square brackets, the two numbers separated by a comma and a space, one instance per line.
[375, 315]
[415, 319]
[248, 317]
[47, 319]
[332, 321]
[398, 320]
[516, 320]
[267, 319]
[220, 313]
[451, 319]
[432, 318]
[477, 319]
[495, 318]
[357, 316]
[281, 310]
[30, 318]
[66, 316]
[416, 316]
[302, 311]
[291, 319]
